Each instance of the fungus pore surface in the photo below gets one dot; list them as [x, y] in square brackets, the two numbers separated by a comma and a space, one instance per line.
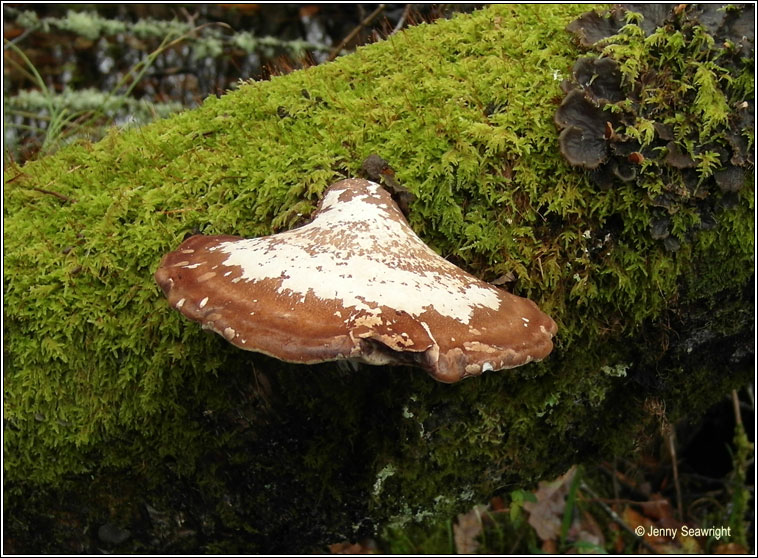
[355, 283]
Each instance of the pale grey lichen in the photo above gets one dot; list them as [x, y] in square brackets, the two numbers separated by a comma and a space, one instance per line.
[386, 472]
[617, 370]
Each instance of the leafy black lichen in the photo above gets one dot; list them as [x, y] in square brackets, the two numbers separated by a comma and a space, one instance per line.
[666, 102]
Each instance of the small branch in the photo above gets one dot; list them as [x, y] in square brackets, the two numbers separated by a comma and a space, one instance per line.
[20, 38]
[402, 19]
[56, 194]
[671, 436]
[736, 403]
[19, 175]
[336, 50]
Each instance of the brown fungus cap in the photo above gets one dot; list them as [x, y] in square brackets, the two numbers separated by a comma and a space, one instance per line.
[355, 283]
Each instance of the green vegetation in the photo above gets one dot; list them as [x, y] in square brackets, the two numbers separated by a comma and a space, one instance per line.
[107, 385]
[52, 116]
[744, 449]
[91, 26]
[71, 114]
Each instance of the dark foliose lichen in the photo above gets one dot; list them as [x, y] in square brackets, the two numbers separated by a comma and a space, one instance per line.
[665, 101]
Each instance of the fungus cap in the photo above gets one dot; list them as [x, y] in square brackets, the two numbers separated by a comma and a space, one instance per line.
[354, 283]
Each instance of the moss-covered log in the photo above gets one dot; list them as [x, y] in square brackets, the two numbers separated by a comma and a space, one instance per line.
[114, 401]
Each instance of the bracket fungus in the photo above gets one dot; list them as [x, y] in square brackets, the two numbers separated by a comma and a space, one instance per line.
[355, 283]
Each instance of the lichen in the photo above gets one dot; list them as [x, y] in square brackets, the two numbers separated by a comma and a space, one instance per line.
[674, 102]
[387, 471]
[104, 380]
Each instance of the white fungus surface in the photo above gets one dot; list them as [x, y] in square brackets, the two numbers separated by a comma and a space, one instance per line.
[387, 264]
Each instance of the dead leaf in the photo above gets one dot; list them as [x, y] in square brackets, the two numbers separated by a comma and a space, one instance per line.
[586, 529]
[467, 529]
[546, 514]
[658, 508]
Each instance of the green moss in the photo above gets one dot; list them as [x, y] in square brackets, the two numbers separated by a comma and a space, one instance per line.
[681, 129]
[102, 376]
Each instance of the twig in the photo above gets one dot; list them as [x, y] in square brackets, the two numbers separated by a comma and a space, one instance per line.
[21, 37]
[336, 50]
[19, 175]
[618, 477]
[671, 438]
[617, 518]
[751, 398]
[736, 403]
[402, 19]
[56, 194]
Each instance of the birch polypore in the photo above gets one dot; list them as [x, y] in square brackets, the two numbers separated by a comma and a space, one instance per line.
[355, 283]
